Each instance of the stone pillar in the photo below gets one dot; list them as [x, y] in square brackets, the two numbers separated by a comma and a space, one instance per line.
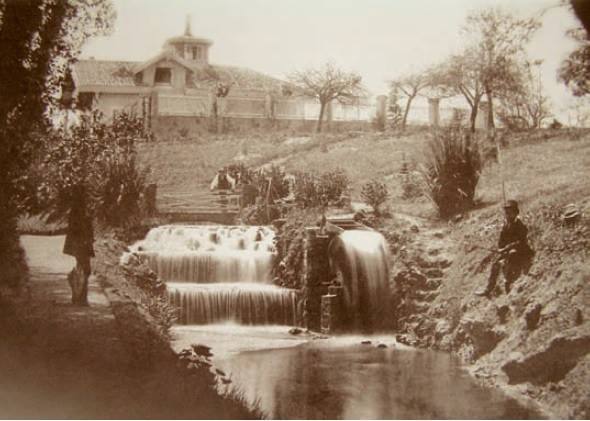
[317, 276]
[381, 112]
[481, 121]
[331, 320]
[269, 108]
[433, 112]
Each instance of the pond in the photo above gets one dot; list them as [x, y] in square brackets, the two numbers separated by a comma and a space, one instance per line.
[340, 378]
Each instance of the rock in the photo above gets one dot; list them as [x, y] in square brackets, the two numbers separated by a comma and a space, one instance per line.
[442, 329]
[579, 318]
[503, 311]
[482, 337]
[202, 350]
[532, 315]
[366, 342]
[438, 234]
[434, 273]
[414, 228]
[381, 346]
[551, 363]
[295, 331]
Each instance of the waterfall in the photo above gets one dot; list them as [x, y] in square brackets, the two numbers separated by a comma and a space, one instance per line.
[360, 258]
[219, 273]
[241, 303]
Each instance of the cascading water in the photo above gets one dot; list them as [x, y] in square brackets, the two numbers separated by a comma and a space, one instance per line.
[219, 274]
[359, 258]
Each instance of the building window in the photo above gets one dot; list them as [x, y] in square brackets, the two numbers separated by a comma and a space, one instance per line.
[196, 53]
[163, 75]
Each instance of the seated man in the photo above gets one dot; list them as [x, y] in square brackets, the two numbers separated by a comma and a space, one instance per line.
[514, 253]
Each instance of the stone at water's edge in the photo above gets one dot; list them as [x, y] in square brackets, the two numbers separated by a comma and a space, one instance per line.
[550, 364]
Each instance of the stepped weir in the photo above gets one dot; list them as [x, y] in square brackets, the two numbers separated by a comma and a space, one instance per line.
[217, 274]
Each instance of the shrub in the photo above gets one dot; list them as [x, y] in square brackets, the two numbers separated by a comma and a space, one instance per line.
[375, 194]
[98, 158]
[452, 170]
[312, 190]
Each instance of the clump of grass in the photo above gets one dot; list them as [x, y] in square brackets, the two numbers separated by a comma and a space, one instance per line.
[452, 170]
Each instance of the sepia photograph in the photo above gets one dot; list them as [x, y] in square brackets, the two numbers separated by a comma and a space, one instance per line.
[295, 209]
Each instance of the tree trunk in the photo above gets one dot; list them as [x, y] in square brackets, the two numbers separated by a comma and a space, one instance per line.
[491, 125]
[473, 115]
[407, 111]
[321, 117]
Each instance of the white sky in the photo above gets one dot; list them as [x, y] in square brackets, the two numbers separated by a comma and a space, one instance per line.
[377, 38]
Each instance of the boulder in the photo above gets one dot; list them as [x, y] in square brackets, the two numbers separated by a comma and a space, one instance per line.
[550, 363]
[482, 337]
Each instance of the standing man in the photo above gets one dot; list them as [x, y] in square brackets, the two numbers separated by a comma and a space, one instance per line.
[79, 243]
[514, 252]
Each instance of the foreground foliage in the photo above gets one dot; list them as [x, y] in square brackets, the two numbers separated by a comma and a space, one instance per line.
[100, 157]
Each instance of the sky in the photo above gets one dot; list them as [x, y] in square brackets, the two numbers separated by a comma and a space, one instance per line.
[379, 39]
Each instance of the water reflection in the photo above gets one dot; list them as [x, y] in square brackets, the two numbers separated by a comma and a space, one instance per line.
[315, 381]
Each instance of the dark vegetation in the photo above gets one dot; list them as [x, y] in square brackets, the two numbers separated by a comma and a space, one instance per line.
[452, 170]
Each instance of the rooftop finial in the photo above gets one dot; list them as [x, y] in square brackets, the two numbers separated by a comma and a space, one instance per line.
[187, 26]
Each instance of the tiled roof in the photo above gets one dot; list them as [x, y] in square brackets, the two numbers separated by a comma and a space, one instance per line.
[104, 73]
[238, 77]
[120, 73]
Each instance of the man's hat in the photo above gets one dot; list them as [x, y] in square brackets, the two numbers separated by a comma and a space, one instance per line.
[511, 204]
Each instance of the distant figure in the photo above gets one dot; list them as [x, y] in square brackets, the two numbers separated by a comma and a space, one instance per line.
[79, 243]
[514, 252]
[222, 181]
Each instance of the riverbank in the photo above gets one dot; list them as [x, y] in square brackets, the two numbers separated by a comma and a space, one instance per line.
[101, 361]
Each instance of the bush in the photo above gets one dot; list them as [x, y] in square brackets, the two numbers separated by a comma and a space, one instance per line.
[312, 190]
[375, 194]
[411, 185]
[98, 158]
[452, 170]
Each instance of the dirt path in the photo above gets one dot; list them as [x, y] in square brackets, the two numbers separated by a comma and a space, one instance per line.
[62, 361]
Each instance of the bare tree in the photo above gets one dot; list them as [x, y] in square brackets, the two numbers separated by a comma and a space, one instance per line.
[411, 85]
[328, 83]
[499, 39]
[524, 103]
[461, 75]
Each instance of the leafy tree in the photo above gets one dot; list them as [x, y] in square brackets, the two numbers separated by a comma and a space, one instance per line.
[39, 39]
[498, 40]
[327, 84]
[575, 70]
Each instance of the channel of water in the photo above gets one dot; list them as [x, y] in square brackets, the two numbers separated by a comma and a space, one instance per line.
[219, 277]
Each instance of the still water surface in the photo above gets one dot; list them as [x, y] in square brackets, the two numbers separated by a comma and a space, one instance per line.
[339, 378]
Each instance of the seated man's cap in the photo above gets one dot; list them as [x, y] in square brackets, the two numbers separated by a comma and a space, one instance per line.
[511, 204]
